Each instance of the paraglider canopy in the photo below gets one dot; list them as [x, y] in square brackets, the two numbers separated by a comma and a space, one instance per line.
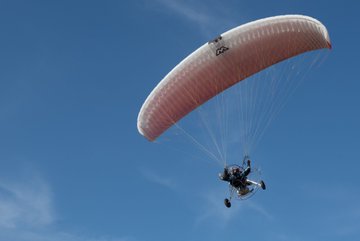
[225, 61]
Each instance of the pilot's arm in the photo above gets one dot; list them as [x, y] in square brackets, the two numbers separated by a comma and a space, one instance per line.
[248, 169]
[224, 175]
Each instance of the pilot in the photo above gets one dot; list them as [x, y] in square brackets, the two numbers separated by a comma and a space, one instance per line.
[237, 177]
[236, 173]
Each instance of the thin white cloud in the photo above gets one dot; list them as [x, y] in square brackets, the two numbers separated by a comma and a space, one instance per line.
[211, 18]
[27, 213]
[25, 235]
[344, 220]
[215, 211]
[25, 204]
[187, 11]
[259, 209]
[158, 179]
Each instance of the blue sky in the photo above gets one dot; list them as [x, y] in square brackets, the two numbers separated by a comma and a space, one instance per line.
[73, 77]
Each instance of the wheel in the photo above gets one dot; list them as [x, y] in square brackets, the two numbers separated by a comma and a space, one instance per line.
[262, 184]
[227, 203]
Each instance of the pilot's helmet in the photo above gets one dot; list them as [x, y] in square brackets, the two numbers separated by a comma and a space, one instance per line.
[235, 170]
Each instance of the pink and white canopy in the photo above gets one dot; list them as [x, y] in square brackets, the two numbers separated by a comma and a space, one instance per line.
[225, 61]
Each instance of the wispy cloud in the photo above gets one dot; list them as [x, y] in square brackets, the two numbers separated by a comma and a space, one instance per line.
[27, 204]
[210, 20]
[27, 212]
[26, 235]
[188, 12]
[259, 209]
[158, 179]
[344, 219]
[215, 211]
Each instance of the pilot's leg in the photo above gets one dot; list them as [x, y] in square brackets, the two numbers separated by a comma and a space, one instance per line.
[247, 171]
